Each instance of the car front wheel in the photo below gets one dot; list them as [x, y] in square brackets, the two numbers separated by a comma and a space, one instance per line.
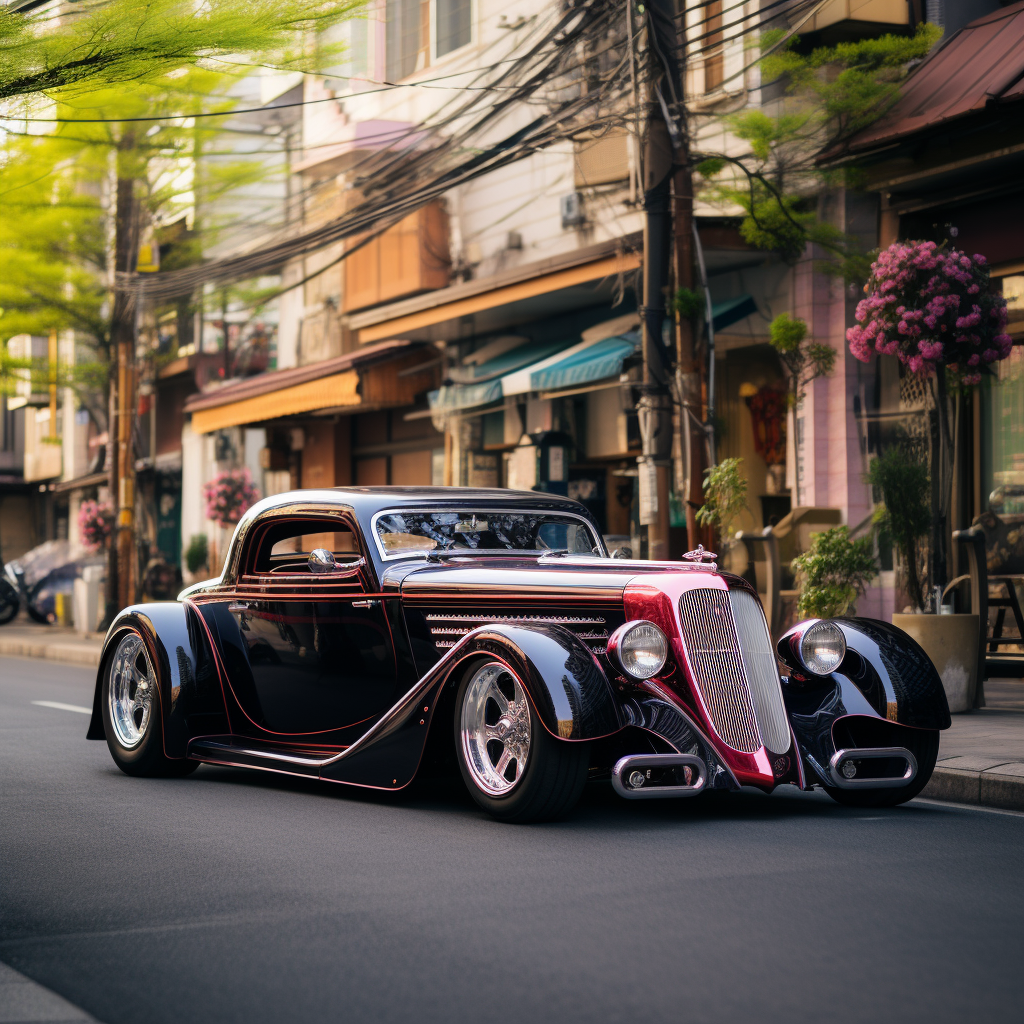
[131, 713]
[514, 768]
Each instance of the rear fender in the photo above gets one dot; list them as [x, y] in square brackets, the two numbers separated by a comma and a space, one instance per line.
[182, 663]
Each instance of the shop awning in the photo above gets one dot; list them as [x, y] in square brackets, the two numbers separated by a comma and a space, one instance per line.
[731, 311]
[374, 377]
[542, 367]
[493, 380]
[594, 362]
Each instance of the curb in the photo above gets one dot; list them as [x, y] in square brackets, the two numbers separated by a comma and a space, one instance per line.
[84, 653]
[972, 779]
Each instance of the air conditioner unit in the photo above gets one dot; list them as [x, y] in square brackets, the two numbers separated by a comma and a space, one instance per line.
[572, 210]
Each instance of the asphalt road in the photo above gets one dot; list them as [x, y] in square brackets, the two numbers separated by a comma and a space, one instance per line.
[243, 896]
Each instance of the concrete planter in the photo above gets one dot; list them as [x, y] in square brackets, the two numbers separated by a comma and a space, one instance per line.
[951, 641]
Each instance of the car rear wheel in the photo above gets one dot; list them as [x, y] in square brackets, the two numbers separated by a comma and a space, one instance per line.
[924, 745]
[513, 767]
[131, 713]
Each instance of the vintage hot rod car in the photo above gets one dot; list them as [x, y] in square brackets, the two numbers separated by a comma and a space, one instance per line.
[365, 635]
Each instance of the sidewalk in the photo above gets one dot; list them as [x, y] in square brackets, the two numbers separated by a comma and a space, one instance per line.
[981, 757]
[24, 638]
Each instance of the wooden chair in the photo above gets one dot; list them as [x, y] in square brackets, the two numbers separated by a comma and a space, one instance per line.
[972, 550]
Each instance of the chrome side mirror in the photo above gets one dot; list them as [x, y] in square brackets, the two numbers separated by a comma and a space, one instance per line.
[622, 553]
[321, 560]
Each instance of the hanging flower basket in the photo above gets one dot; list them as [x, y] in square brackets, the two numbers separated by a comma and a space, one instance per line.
[228, 495]
[931, 308]
[95, 523]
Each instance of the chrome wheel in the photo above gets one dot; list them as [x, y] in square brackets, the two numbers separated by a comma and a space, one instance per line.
[131, 691]
[495, 729]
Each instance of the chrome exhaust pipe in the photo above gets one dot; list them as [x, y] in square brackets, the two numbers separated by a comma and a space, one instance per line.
[651, 776]
[851, 768]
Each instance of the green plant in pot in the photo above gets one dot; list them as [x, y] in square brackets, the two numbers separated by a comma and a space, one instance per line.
[901, 479]
[725, 498]
[832, 573]
[951, 641]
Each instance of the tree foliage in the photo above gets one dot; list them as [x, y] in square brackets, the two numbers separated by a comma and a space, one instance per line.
[833, 572]
[804, 359]
[101, 43]
[830, 92]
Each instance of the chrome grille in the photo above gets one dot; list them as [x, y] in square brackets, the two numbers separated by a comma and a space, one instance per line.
[709, 633]
[761, 670]
[448, 629]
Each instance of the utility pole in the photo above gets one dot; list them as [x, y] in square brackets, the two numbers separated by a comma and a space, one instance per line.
[662, 137]
[120, 574]
[688, 366]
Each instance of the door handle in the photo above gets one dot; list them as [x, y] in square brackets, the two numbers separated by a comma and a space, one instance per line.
[365, 604]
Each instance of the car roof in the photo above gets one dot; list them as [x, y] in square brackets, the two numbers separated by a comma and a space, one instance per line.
[365, 502]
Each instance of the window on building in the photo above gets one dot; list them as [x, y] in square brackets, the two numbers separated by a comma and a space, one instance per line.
[714, 59]
[454, 25]
[407, 41]
[408, 35]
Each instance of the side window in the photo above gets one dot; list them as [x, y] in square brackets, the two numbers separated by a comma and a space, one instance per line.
[285, 547]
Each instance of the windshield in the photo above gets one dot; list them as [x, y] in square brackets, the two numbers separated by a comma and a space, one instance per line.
[410, 532]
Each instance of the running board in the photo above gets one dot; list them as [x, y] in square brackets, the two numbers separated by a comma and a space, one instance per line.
[222, 750]
[659, 776]
[851, 768]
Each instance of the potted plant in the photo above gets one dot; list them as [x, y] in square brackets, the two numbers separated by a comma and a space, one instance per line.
[951, 641]
[228, 495]
[725, 497]
[95, 522]
[936, 310]
[832, 573]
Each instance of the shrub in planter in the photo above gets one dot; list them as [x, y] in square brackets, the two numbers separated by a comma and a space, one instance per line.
[725, 497]
[833, 572]
[904, 513]
[95, 523]
[228, 495]
[197, 554]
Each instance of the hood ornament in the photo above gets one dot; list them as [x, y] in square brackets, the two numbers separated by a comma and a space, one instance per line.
[701, 557]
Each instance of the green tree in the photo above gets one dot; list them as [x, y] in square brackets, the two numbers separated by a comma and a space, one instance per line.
[833, 572]
[125, 152]
[804, 359]
[831, 92]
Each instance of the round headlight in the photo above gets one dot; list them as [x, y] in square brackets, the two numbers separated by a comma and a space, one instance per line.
[822, 648]
[639, 649]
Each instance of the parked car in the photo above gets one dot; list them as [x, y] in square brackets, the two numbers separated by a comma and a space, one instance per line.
[368, 635]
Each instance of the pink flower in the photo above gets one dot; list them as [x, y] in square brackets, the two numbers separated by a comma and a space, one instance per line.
[974, 360]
